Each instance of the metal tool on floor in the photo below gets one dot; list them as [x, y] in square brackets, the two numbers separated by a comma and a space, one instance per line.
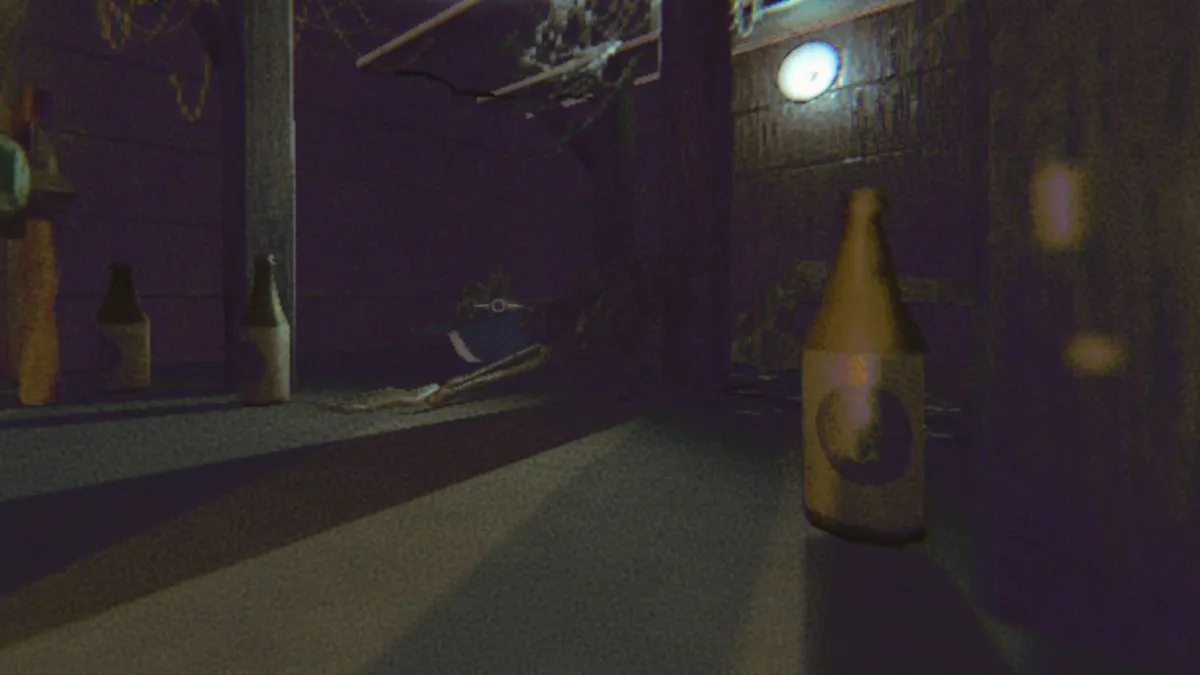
[496, 339]
[431, 396]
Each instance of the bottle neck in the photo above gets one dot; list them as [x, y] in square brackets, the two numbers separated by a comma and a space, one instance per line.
[263, 282]
[264, 308]
[864, 253]
[863, 309]
[120, 304]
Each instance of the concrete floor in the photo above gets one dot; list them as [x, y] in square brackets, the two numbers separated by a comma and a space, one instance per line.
[521, 534]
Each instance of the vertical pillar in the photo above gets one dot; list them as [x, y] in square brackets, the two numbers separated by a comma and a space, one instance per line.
[614, 180]
[982, 358]
[235, 279]
[270, 165]
[696, 90]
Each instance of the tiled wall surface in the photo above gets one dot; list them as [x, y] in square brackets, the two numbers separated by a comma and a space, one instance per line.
[404, 192]
[904, 115]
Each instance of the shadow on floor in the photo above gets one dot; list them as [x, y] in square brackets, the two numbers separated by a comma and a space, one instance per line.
[883, 611]
[52, 417]
[407, 364]
[82, 387]
[643, 564]
[196, 388]
[281, 500]
[655, 561]
[49, 532]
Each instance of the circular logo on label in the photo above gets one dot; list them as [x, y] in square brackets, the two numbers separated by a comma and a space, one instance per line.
[865, 434]
[252, 361]
[110, 355]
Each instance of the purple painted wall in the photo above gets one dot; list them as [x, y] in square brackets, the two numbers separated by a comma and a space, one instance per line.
[404, 193]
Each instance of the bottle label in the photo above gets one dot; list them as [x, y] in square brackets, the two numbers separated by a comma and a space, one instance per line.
[125, 356]
[266, 362]
[864, 438]
[865, 434]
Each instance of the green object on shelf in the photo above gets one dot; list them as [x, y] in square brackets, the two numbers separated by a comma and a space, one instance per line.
[15, 178]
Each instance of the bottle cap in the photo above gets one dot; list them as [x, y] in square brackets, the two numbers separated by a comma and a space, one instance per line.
[862, 311]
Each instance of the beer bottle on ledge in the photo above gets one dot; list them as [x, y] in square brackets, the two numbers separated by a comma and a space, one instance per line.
[863, 394]
[266, 340]
[124, 334]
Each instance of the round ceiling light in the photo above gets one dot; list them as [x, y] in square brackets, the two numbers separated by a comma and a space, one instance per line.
[808, 71]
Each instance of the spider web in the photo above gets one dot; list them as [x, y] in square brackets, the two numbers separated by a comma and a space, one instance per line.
[585, 32]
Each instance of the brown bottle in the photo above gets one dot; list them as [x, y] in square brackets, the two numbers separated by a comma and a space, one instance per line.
[36, 343]
[864, 393]
[266, 340]
[124, 334]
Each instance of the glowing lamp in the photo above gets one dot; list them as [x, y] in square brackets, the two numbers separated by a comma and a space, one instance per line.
[808, 71]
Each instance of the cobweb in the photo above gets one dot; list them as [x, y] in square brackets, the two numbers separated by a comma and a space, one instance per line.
[587, 33]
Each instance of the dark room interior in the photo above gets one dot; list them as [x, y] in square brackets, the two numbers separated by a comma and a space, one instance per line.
[516, 337]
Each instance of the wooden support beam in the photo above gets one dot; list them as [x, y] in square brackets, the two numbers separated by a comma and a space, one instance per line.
[572, 102]
[392, 45]
[744, 46]
[568, 67]
[697, 180]
[614, 178]
[768, 38]
[235, 280]
[270, 167]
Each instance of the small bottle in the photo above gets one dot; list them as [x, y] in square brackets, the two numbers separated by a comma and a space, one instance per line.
[266, 340]
[863, 394]
[124, 334]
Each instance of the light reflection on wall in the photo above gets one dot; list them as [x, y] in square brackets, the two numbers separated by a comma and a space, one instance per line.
[1058, 206]
[1094, 354]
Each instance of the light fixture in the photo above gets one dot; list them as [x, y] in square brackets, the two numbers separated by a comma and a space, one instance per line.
[808, 71]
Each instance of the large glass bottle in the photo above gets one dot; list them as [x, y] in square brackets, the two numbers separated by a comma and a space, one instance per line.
[266, 340]
[864, 393]
[124, 334]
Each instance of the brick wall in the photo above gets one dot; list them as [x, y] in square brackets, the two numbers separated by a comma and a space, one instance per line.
[903, 115]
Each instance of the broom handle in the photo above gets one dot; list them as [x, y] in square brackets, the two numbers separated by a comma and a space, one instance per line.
[491, 367]
[458, 385]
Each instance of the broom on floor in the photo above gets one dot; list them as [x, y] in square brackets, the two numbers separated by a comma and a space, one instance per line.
[432, 396]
